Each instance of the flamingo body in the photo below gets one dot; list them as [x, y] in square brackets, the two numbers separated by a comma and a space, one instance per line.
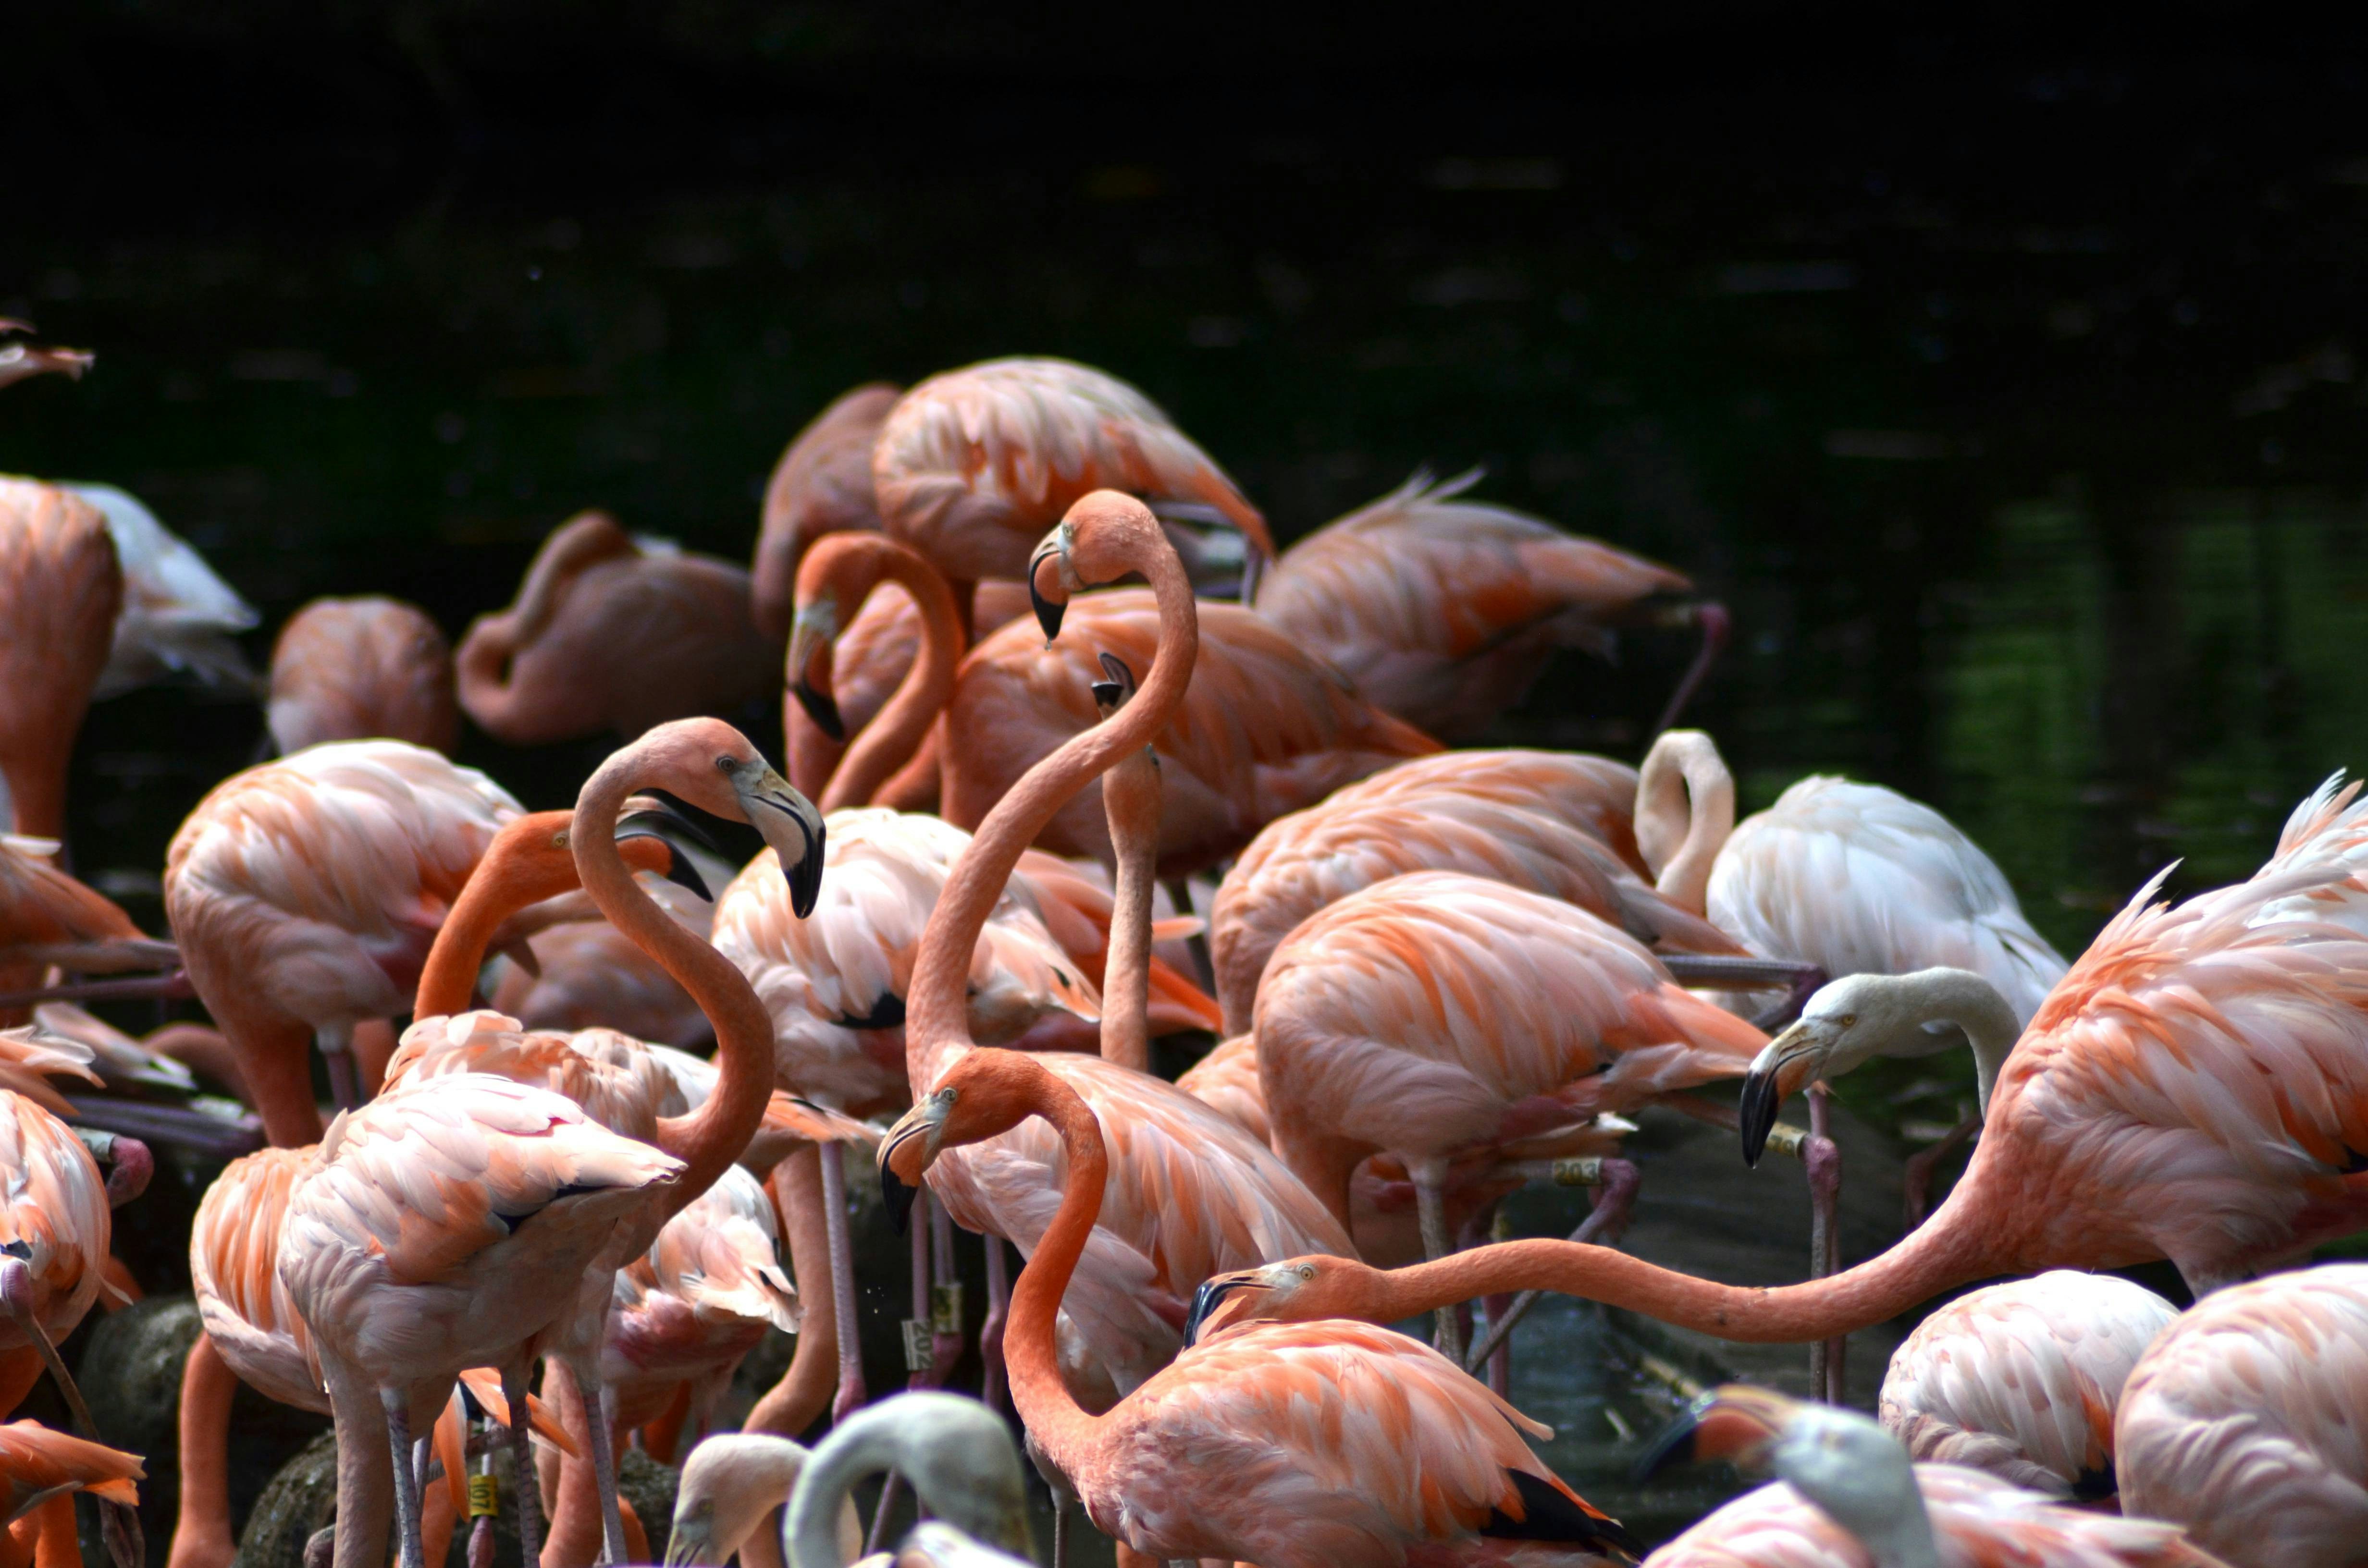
[53, 1214]
[233, 1258]
[822, 485]
[363, 668]
[61, 590]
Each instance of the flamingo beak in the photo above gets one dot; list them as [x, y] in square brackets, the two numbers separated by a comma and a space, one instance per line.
[679, 869]
[1782, 1066]
[1047, 569]
[788, 822]
[811, 642]
[1735, 1422]
[1206, 1299]
[927, 1121]
[688, 1542]
[1111, 694]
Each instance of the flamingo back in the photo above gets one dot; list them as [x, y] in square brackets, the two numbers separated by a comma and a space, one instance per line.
[1593, 795]
[1978, 1521]
[821, 485]
[53, 1206]
[1444, 610]
[233, 1269]
[1227, 1081]
[2243, 1421]
[345, 669]
[320, 879]
[1860, 880]
[180, 619]
[973, 465]
[610, 1077]
[2020, 1379]
[592, 973]
[1265, 729]
[1314, 1444]
[1416, 1014]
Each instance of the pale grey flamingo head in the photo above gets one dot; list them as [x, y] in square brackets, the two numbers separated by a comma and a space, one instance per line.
[957, 1454]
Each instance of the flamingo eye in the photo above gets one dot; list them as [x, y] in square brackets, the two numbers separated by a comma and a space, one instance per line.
[726, 764]
[1848, 1020]
[1308, 1271]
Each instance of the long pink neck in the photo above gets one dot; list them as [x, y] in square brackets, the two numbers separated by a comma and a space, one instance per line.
[712, 1136]
[896, 731]
[1131, 800]
[1032, 1356]
[1947, 1250]
[937, 1022]
[1685, 814]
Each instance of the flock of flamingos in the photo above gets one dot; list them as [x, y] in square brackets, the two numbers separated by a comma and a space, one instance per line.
[1032, 823]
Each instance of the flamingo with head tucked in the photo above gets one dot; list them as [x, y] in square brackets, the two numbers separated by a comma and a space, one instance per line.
[61, 589]
[366, 668]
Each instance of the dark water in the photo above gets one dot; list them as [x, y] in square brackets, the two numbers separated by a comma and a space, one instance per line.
[2014, 407]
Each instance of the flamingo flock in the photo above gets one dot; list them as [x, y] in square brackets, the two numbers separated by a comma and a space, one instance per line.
[1161, 940]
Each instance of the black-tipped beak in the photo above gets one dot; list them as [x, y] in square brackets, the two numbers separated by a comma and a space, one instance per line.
[1110, 694]
[898, 1197]
[1674, 1446]
[821, 708]
[1204, 1302]
[679, 869]
[1756, 1113]
[1048, 612]
[805, 878]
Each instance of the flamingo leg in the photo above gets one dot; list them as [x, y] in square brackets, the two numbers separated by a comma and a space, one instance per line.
[945, 1299]
[337, 1042]
[1430, 1207]
[599, 1408]
[1060, 1531]
[842, 1282]
[481, 1529]
[203, 1537]
[1822, 1161]
[1916, 1175]
[919, 1366]
[990, 1333]
[409, 1544]
[522, 1467]
[1602, 1226]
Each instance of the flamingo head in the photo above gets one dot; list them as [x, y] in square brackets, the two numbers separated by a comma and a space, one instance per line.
[1095, 543]
[813, 636]
[1297, 1290]
[1844, 1024]
[985, 1092]
[718, 769]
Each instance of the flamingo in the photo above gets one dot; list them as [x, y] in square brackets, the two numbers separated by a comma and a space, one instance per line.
[821, 486]
[956, 1452]
[731, 1486]
[362, 668]
[179, 621]
[305, 893]
[607, 634]
[1850, 1497]
[2195, 1089]
[21, 361]
[40, 1473]
[1439, 1017]
[1289, 1446]
[2020, 1379]
[56, 1226]
[61, 589]
[1188, 1188]
[2242, 1421]
[1444, 610]
[48, 917]
[587, 972]
[1551, 822]
[399, 1291]
[973, 465]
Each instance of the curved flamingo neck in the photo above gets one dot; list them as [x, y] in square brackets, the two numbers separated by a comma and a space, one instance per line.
[1685, 814]
[1947, 1250]
[712, 1136]
[502, 884]
[480, 665]
[1131, 800]
[897, 732]
[1059, 1425]
[936, 1019]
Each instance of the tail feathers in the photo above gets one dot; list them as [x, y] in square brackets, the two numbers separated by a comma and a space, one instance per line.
[1176, 1004]
[1551, 1511]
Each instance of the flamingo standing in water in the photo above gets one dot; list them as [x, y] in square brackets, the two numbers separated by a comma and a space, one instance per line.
[609, 633]
[2242, 1421]
[400, 1297]
[61, 589]
[368, 668]
[1444, 610]
[822, 485]
[305, 894]
[973, 465]
[2021, 1379]
[1850, 1497]
[1289, 1446]
[2195, 1088]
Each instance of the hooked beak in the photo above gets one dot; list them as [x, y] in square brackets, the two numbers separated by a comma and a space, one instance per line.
[1782, 1067]
[788, 822]
[821, 707]
[688, 1543]
[679, 869]
[1205, 1301]
[811, 639]
[1048, 611]
[924, 1121]
[1735, 1422]
[1111, 694]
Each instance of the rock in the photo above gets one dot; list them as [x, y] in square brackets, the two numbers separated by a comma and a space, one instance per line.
[649, 1486]
[300, 1499]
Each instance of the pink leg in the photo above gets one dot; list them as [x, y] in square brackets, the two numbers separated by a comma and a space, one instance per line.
[990, 1333]
[1822, 1161]
[842, 1282]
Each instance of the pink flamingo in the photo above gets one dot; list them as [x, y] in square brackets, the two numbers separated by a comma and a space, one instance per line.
[1849, 1497]
[305, 894]
[822, 485]
[56, 1225]
[606, 634]
[2242, 1421]
[47, 917]
[369, 668]
[2021, 1379]
[61, 589]
[1445, 610]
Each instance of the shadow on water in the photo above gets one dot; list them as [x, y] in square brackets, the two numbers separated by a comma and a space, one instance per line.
[2013, 405]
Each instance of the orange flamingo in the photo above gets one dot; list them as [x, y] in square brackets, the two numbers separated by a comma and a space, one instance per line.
[56, 1226]
[973, 465]
[20, 361]
[1850, 1497]
[822, 485]
[61, 588]
[2196, 1088]
[2020, 1379]
[587, 972]
[1550, 823]
[355, 669]
[305, 894]
[2242, 1421]
[400, 1293]
[1444, 610]
[1289, 1446]
[40, 1473]
[608, 634]
[1188, 1188]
